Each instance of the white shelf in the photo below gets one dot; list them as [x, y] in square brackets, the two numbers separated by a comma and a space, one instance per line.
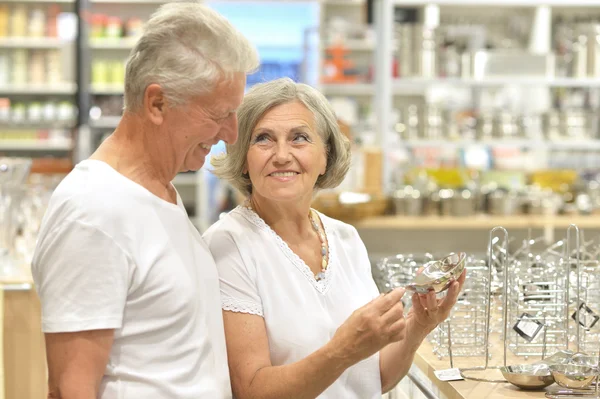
[33, 42]
[40, 1]
[343, 2]
[105, 122]
[524, 143]
[347, 89]
[64, 88]
[107, 89]
[32, 145]
[499, 3]
[129, 1]
[113, 44]
[415, 86]
[44, 125]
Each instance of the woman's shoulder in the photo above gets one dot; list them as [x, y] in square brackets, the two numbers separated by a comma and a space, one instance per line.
[233, 225]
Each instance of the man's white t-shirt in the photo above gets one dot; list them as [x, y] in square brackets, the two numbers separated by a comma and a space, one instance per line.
[261, 275]
[111, 255]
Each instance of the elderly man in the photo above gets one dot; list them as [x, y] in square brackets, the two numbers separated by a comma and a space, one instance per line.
[129, 290]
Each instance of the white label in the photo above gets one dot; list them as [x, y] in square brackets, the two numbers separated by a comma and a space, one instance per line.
[448, 375]
[529, 327]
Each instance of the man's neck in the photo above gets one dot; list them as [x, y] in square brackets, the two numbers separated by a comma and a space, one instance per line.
[134, 151]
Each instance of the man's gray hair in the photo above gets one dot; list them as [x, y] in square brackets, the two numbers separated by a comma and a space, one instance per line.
[186, 48]
[258, 101]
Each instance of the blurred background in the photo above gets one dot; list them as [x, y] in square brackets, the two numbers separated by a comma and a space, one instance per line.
[463, 115]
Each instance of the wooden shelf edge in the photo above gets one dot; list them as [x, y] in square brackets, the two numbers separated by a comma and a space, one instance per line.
[476, 222]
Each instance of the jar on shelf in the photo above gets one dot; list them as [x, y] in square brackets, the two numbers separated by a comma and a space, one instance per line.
[52, 20]
[97, 26]
[4, 19]
[34, 112]
[19, 66]
[49, 111]
[66, 111]
[134, 27]
[4, 110]
[37, 67]
[18, 21]
[114, 28]
[37, 22]
[18, 112]
[117, 73]
[54, 67]
[4, 67]
[100, 72]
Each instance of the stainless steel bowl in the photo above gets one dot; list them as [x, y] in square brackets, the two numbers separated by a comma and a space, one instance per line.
[528, 376]
[573, 376]
[437, 275]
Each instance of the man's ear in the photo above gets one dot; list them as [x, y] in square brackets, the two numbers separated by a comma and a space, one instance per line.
[155, 104]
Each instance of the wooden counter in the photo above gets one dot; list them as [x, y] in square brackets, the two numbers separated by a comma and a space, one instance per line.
[427, 363]
[477, 222]
[25, 375]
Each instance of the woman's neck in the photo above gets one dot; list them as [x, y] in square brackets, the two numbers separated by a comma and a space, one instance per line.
[290, 220]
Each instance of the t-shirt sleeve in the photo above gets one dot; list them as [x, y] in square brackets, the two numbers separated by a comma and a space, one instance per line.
[82, 278]
[237, 275]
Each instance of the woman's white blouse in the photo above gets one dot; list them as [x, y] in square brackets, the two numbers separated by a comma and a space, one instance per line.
[259, 274]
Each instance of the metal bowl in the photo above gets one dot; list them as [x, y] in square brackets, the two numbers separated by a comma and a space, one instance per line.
[573, 376]
[437, 275]
[528, 376]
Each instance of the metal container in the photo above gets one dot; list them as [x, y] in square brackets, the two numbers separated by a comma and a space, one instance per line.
[407, 202]
[405, 50]
[574, 376]
[434, 125]
[529, 377]
[425, 51]
[463, 203]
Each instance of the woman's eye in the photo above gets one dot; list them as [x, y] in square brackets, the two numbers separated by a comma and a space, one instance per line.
[260, 138]
[301, 137]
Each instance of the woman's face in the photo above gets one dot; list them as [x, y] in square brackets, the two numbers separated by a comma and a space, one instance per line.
[286, 154]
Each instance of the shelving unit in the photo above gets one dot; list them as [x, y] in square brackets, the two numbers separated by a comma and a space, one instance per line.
[387, 89]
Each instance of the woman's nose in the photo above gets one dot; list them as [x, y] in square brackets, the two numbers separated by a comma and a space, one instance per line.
[282, 152]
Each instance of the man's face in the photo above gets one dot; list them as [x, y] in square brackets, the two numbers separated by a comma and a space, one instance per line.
[205, 120]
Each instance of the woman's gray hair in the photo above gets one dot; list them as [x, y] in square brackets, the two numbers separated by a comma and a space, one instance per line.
[186, 48]
[258, 101]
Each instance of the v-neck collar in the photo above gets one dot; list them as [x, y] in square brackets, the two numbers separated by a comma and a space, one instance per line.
[321, 285]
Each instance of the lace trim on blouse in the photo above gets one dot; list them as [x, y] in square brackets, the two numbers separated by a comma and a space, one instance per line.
[240, 306]
[322, 285]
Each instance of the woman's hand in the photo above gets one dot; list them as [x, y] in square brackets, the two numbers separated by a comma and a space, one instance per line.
[427, 311]
[370, 328]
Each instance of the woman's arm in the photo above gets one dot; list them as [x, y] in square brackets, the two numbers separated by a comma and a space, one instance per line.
[426, 313]
[366, 331]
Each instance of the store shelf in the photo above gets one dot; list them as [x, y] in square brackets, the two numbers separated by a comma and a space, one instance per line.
[498, 3]
[129, 1]
[479, 222]
[419, 86]
[344, 2]
[33, 42]
[40, 1]
[107, 89]
[524, 143]
[348, 89]
[65, 88]
[105, 122]
[113, 44]
[12, 126]
[31, 145]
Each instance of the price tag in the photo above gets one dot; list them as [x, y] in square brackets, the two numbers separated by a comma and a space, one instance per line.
[528, 327]
[448, 375]
[587, 317]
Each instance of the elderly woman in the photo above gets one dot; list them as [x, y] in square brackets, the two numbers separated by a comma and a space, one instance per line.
[303, 317]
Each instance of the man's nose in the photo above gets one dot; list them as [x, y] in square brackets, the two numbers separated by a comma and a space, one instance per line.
[229, 130]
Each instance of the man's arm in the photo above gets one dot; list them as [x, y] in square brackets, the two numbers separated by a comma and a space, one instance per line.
[76, 363]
